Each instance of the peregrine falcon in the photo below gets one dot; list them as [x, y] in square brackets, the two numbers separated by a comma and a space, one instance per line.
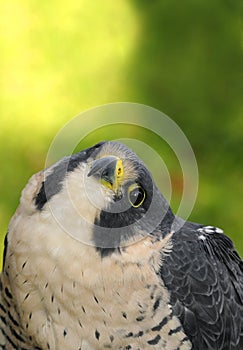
[95, 259]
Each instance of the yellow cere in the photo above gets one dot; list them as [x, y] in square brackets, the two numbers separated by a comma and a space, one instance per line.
[119, 175]
[119, 169]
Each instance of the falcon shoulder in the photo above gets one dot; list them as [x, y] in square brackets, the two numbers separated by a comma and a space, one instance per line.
[204, 275]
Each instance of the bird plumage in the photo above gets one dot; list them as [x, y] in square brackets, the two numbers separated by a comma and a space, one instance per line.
[94, 259]
[205, 276]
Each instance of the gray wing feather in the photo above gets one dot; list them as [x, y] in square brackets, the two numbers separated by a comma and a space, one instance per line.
[204, 275]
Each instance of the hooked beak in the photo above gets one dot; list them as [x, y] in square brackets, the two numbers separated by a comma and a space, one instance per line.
[110, 171]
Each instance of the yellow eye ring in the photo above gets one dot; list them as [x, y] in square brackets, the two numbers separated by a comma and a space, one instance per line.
[136, 195]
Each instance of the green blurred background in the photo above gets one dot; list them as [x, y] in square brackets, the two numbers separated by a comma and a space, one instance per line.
[58, 58]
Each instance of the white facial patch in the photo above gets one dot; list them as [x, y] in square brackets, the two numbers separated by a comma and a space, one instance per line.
[79, 202]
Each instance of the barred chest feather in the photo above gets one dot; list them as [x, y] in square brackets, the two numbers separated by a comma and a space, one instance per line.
[84, 301]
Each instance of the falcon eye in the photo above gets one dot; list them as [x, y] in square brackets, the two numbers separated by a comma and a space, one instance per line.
[136, 195]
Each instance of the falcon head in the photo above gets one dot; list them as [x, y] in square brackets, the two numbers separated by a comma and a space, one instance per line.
[103, 196]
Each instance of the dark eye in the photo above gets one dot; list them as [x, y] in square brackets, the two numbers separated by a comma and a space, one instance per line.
[136, 195]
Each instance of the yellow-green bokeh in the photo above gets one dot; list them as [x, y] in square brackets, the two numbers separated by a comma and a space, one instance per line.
[59, 58]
